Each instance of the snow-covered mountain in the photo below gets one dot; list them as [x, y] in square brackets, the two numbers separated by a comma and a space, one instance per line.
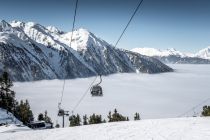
[204, 53]
[158, 52]
[196, 128]
[174, 56]
[30, 51]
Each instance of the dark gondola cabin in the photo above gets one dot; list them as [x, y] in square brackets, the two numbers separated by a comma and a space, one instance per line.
[96, 91]
[60, 112]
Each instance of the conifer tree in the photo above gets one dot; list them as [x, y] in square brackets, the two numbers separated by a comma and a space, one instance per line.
[44, 117]
[206, 111]
[109, 116]
[75, 120]
[137, 116]
[21, 110]
[95, 119]
[7, 96]
[24, 113]
[85, 120]
[40, 117]
[47, 119]
[116, 117]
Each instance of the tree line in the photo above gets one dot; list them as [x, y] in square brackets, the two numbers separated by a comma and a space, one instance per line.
[75, 120]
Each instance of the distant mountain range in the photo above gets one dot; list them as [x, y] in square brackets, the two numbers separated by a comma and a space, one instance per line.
[30, 51]
[176, 57]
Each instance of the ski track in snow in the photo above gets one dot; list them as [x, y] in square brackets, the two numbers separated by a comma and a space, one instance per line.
[196, 128]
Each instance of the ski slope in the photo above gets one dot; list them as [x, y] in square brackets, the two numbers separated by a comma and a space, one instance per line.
[12, 123]
[158, 129]
[11, 128]
[8, 118]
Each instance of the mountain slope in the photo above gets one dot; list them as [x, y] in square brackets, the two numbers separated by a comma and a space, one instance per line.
[196, 128]
[174, 56]
[30, 51]
[28, 60]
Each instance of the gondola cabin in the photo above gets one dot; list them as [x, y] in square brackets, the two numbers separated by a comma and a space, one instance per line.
[96, 91]
[60, 112]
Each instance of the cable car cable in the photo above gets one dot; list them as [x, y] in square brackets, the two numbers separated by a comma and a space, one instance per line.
[123, 32]
[73, 25]
[85, 93]
[137, 8]
[194, 107]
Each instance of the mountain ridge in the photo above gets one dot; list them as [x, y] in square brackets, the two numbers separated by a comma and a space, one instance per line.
[31, 51]
[174, 56]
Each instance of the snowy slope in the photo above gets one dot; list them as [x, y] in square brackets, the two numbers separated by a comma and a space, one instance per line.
[34, 52]
[159, 129]
[174, 56]
[7, 117]
[11, 128]
[12, 123]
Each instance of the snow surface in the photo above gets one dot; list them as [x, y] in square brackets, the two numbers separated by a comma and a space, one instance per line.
[159, 129]
[153, 96]
[12, 123]
[53, 36]
[79, 39]
[11, 128]
[8, 118]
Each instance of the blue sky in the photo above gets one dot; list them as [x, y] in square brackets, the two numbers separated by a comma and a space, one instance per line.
[180, 24]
